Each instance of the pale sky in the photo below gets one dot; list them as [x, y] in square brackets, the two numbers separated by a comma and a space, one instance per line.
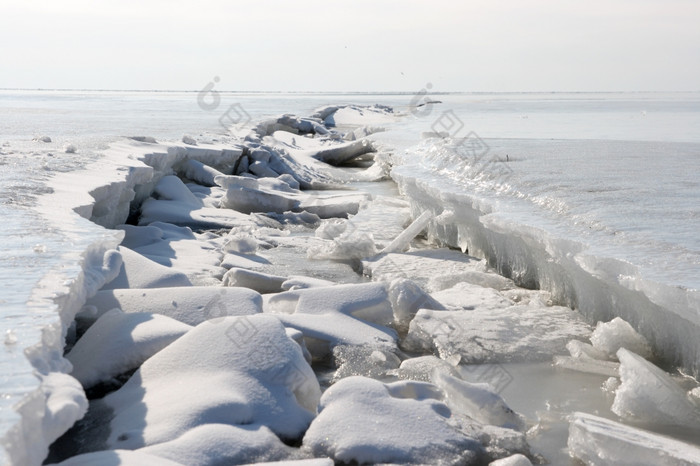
[361, 45]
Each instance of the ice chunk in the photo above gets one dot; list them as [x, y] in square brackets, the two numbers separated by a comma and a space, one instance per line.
[465, 296]
[515, 333]
[365, 421]
[579, 349]
[342, 241]
[423, 367]
[602, 442]
[138, 271]
[363, 360]
[191, 305]
[118, 342]
[611, 336]
[340, 314]
[248, 195]
[238, 371]
[220, 444]
[649, 394]
[513, 460]
[258, 281]
[406, 299]
[186, 139]
[478, 401]
[403, 240]
[422, 265]
[585, 364]
[198, 172]
[298, 282]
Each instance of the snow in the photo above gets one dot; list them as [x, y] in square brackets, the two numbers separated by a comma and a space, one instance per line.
[597, 441]
[366, 421]
[258, 281]
[118, 342]
[191, 305]
[239, 371]
[137, 271]
[222, 444]
[117, 458]
[649, 394]
[335, 315]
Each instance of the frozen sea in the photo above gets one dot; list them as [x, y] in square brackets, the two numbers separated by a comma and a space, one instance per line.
[592, 185]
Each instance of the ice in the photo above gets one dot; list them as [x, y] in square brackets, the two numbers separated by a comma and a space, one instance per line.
[366, 361]
[649, 394]
[258, 281]
[337, 315]
[579, 349]
[516, 333]
[248, 195]
[585, 364]
[421, 266]
[299, 283]
[478, 401]
[191, 305]
[118, 342]
[342, 241]
[198, 172]
[355, 115]
[611, 336]
[406, 299]
[465, 296]
[138, 271]
[332, 205]
[187, 139]
[421, 368]
[239, 371]
[403, 240]
[602, 442]
[365, 421]
[514, 460]
[244, 261]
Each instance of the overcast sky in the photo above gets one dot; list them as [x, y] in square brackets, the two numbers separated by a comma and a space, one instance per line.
[361, 45]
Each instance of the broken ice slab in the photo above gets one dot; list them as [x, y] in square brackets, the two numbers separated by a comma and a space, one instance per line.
[649, 394]
[591, 366]
[598, 441]
[516, 333]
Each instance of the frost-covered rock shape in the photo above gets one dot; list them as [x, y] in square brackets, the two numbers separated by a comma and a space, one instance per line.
[237, 371]
[221, 444]
[65, 404]
[177, 204]
[119, 342]
[611, 336]
[191, 305]
[602, 442]
[649, 394]
[117, 458]
[248, 195]
[137, 271]
[365, 421]
[515, 333]
[337, 315]
[478, 401]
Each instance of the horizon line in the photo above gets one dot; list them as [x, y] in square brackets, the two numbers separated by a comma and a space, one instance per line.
[395, 92]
